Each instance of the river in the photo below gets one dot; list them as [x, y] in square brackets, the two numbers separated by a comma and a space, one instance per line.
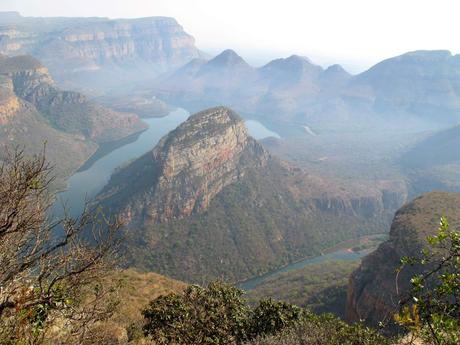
[86, 183]
[342, 254]
[94, 175]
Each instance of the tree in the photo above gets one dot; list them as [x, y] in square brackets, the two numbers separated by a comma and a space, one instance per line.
[214, 315]
[270, 317]
[49, 274]
[433, 309]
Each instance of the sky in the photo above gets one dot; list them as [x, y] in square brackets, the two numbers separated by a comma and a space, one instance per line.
[355, 33]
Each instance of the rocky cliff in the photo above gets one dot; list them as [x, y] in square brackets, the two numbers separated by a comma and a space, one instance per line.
[33, 111]
[372, 290]
[187, 168]
[75, 48]
[210, 202]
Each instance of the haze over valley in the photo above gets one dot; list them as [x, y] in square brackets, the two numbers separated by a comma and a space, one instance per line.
[288, 179]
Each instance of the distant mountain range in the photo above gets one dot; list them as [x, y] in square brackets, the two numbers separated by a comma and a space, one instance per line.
[34, 111]
[421, 87]
[210, 202]
[98, 53]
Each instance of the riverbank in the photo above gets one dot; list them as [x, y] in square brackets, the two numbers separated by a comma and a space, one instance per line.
[342, 251]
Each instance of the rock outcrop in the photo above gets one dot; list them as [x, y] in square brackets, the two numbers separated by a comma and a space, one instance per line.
[374, 289]
[75, 48]
[34, 111]
[187, 168]
[210, 202]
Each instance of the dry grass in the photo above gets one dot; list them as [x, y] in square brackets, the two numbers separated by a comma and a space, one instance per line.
[135, 290]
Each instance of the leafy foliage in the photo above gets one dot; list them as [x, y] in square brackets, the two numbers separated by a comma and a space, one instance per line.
[324, 329]
[433, 310]
[271, 316]
[213, 315]
[218, 315]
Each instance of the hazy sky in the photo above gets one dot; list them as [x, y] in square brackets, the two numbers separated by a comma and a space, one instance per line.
[354, 32]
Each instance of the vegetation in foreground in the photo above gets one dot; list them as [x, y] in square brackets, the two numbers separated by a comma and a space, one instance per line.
[56, 287]
[218, 314]
[50, 277]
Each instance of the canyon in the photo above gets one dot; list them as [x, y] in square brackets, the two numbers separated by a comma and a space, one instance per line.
[35, 114]
[209, 201]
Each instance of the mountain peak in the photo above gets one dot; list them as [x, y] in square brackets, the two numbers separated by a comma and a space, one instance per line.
[298, 59]
[294, 68]
[186, 169]
[227, 58]
[336, 69]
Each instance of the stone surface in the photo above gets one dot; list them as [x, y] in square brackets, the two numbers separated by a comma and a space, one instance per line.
[374, 289]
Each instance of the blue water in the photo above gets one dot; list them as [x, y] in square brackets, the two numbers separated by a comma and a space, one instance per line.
[89, 181]
[338, 255]
[258, 130]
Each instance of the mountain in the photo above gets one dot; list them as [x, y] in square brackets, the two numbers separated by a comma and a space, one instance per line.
[210, 202]
[372, 287]
[434, 150]
[423, 83]
[201, 83]
[33, 110]
[433, 163]
[97, 53]
[281, 88]
[416, 89]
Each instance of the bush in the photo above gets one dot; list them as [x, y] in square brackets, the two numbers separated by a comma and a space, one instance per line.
[322, 330]
[214, 315]
[218, 315]
[271, 316]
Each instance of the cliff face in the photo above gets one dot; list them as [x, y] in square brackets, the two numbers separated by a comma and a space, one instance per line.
[33, 110]
[188, 168]
[79, 45]
[209, 202]
[372, 294]
[66, 110]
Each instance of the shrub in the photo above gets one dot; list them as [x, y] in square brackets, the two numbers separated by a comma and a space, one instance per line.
[214, 315]
[270, 317]
[433, 310]
[324, 330]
